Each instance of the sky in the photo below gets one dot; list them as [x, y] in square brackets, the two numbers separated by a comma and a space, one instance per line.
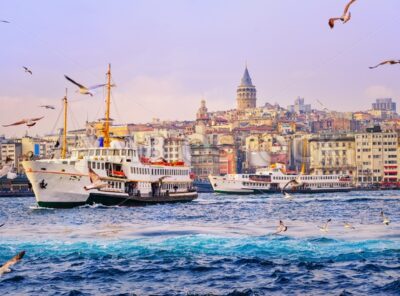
[168, 55]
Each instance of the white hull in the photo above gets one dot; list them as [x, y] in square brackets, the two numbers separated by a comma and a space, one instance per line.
[63, 183]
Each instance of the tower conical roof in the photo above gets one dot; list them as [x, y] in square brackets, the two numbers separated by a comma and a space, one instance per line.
[246, 80]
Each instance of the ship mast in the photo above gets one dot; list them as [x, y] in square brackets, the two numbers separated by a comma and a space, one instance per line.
[106, 130]
[64, 145]
[303, 163]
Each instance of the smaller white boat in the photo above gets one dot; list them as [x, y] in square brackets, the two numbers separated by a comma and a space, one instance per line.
[274, 180]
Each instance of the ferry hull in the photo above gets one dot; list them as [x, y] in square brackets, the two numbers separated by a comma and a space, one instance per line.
[57, 185]
[107, 200]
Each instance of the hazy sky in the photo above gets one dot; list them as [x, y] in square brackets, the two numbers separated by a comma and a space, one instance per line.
[167, 55]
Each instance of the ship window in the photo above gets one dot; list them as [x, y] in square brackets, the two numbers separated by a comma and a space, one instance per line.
[93, 165]
[91, 152]
[102, 166]
[116, 152]
[98, 165]
[123, 152]
[97, 152]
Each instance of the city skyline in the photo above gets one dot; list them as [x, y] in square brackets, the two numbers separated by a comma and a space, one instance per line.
[203, 55]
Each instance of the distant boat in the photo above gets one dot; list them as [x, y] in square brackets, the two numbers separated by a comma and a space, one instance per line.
[274, 180]
[18, 187]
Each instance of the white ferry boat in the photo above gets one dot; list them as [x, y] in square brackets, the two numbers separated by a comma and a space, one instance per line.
[107, 175]
[274, 180]
[122, 179]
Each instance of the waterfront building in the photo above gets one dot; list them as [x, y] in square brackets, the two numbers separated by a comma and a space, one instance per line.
[376, 156]
[227, 159]
[262, 150]
[205, 160]
[332, 154]
[246, 94]
[36, 146]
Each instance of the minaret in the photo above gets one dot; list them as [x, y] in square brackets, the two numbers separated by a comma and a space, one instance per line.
[246, 93]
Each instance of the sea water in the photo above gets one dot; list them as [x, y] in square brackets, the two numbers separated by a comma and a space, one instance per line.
[215, 245]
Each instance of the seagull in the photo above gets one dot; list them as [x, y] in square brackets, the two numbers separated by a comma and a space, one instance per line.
[287, 195]
[1, 225]
[294, 183]
[95, 180]
[348, 225]
[11, 262]
[7, 169]
[83, 89]
[27, 70]
[389, 62]
[344, 18]
[281, 227]
[9, 160]
[324, 227]
[385, 219]
[48, 107]
[11, 175]
[29, 122]
[4, 21]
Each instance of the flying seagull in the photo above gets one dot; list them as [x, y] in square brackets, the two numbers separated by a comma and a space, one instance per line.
[95, 180]
[4, 21]
[389, 62]
[7, 169]
[11, 262]
[27, 70]
[344, 18]
[385, 219]
[29, 122]
[48, 107]
[324, 227]
[83, 89]
[281, 227]
[293, 182]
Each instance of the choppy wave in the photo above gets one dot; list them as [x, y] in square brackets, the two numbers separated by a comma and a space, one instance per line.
[208, 247]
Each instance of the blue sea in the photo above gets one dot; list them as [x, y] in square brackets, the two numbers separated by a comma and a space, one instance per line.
[215, 245]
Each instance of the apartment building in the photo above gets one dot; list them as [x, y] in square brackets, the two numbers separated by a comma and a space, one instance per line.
[376, 156]
[333, 154]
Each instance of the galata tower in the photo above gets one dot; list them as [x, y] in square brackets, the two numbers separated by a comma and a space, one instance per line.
[246, 93]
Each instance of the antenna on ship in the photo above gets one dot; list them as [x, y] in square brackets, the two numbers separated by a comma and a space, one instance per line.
[107, 117]
[64, 145]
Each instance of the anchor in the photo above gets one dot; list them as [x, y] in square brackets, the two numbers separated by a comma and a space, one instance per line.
[43, 184]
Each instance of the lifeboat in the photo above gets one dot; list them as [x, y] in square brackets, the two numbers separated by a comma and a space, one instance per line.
[118, 174]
